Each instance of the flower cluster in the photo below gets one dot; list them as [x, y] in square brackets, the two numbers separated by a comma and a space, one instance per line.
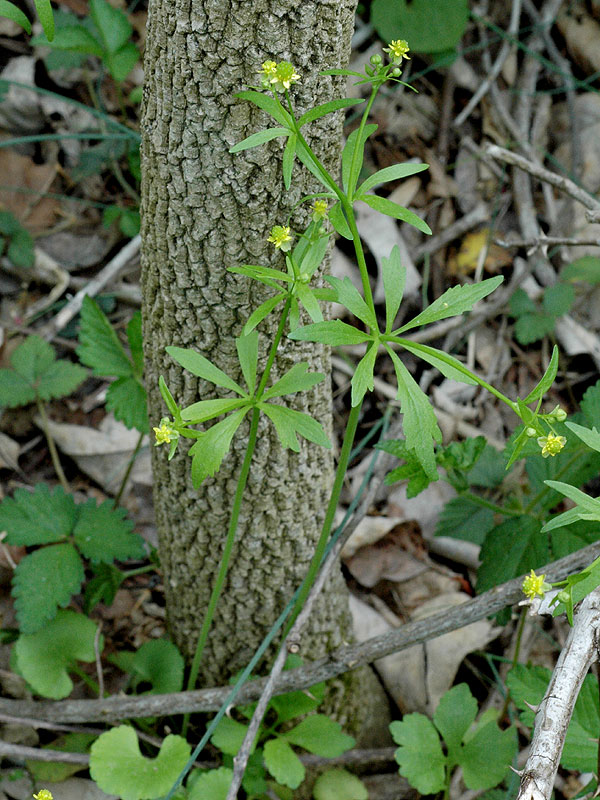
[43, 794]
[278, 77]
[397, 50]
[551, 444]
[281, 238]
[319, 209]
[534, 585]
[165, 434]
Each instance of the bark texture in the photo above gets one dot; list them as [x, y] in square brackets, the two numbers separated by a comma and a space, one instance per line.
[203, 210]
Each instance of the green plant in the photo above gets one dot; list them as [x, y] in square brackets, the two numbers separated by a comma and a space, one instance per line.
[535, 320]
[15, 240]
[107, 36]
[429, 27]
[482, 750]
[44, 12]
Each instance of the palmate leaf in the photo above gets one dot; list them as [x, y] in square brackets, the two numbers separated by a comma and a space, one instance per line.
[288, 423]
[118, 767]
[44, 658]
[419, 420]
[487, 755]
[126, 398]
[14, 390]
[307, 298]
[211, 447]
[99, 345]
[454, 716]
[39, 517]
[159, 663]
[229, 735]
[104, 534]
[454, 301]
[43, 581]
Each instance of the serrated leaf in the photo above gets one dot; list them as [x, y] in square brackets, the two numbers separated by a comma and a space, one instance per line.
[352, 157]
[339, 784]
[391, 209]
[211, 785]
[99, 345]
[449, 366]
[287, 164]
[490, 469]
[14, 390]
[453, 302]
[363, 380]
[288, 423]
[546, 380]
[283, 764]
[511, 549]
[229, 735]
[419, 420]
[203, 368]
[339, 222]
[320, 735]
[134, 337]
[44, 580]
[412, 470]
[487, 756]
[262, 312]
[420, 755]
[126, 398]
[60, 380]
[349, 296]
[44, 657]
[454, 716]
[104, 534]
[32, 358]
[590, 404]
[118, 767]
[393, 173]
[533, 327]
[326, 108]
[259, 138]
[267, 104]
[210, 448]
[394, 279]
[14, 13]
[462, 519]
[333, 332]
[37, 517]
[558, 299]
[247, 349]
[296, 379]
[103, 587]
[112, 24]
[160, 663]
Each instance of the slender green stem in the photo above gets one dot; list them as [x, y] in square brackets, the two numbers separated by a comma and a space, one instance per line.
[235, 511]
[90, 682]
[128, 470]
[480, 501]
[315, 563]
[130, 573]
[52, 446]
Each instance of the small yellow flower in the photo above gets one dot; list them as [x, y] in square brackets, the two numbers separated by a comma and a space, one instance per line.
[319, 209]
[534, 585]
[165, 433]
[43, 794]
[281, 238]
[397, 50]
[267, 72]
[284, 76]
[551, 444]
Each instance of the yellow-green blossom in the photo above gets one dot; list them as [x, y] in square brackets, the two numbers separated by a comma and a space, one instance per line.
[534, 585]
[43, 794]
[281, 238]
[165, 433]
[283, 76]
[551, 444]
[319, 209]
[267, 72]
[397, 50]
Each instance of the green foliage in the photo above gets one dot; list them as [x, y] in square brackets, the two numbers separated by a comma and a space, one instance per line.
[535, 321]
[36, 374]
[15, 240]
[48, 577]
[128, 219]
[585, 269]
[118, 767]
[157, 662]
[101, 349]
[528, 687]
[339, 784]
[482, 750]
[45, 657]
[429, 28]
[58, 771]
[110, 39]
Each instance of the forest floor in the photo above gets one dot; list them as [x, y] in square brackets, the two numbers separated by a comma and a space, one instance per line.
[523, 81]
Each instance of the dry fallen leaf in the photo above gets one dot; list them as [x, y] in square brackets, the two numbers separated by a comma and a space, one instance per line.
[465, 261]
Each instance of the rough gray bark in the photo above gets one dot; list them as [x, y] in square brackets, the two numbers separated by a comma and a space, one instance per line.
[204, 210]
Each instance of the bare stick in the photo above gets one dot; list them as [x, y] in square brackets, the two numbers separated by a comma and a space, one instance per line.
[547, 241]
[105, 276]
[553, 716]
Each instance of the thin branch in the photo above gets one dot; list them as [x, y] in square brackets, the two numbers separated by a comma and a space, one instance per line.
[548, 241]
[342, 660]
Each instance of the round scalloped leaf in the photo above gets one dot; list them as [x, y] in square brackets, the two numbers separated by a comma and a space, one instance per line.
[44, 580]
[43, 658]
[118, 767]
[339, 784]
[212, 785]
[160, 663]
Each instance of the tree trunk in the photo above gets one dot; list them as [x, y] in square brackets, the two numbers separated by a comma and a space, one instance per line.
[203, 210]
